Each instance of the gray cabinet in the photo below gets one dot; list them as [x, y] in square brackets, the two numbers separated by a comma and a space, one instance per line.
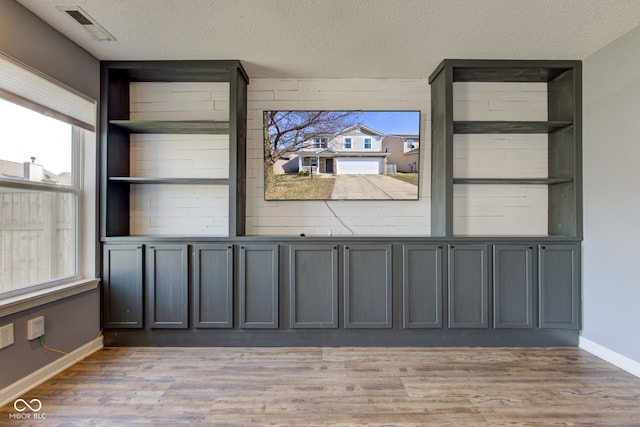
[513, 268]
[122, 284]
[367, 286]
[422, 286]
[468, 286]
[558, 277]
[167, 286]
[258, 286]
[413, 292]
[313, 286]
[213, 286]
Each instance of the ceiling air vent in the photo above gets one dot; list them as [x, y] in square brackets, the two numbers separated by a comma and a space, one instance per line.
[88, 23]
[82, 20]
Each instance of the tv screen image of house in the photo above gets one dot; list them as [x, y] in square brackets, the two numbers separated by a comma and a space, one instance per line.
[341, 155]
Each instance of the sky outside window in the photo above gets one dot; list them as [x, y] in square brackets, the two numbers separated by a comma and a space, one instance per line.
[25, 133]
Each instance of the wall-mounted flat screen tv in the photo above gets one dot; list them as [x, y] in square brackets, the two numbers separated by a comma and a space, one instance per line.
[341, 155]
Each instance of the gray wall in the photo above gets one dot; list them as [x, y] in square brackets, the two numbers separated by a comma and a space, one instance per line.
[69, 324]
[611, 260]
[27, 38]
[74, 321]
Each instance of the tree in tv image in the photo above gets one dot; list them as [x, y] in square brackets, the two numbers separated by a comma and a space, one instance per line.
[341, 155]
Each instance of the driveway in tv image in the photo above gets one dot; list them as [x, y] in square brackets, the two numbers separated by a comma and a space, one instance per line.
[370, 187]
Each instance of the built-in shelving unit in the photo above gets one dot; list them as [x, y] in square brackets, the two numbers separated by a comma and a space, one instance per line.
[185, 286]
[145, 154]
[562, 182]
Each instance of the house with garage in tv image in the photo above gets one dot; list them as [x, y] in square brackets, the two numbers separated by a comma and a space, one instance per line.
[357, 150]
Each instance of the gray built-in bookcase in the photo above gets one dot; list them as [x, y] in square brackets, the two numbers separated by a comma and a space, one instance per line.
[123, 134]
[179, 269]
[562, 126]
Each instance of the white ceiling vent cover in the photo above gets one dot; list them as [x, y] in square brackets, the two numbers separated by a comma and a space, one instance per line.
[88, 23]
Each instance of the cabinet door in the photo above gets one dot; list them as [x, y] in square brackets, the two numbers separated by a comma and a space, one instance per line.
[513, 286]
[468, 286]
[313, 286]
[559, 283]
[213, 286]
[422, 286]
[258, 286]
[167, 282]
[367, 286]
[122, 284]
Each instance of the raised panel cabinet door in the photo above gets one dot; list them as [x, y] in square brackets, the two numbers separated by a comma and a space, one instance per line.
[422, 286]
[559, 286]
[258, 286]
[468, 286]
[167, 282]
[313, 286]
[122, 284]
[213, 286]
[367, 286]
[513, 286]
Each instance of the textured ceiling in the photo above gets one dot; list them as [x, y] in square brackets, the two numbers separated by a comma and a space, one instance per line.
[345, 38]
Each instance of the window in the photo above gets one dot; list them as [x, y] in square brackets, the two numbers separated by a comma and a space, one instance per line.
[39, 168]
[367, 143]
[47, 160]
[410, 145]
[319, 142]
[347, 143]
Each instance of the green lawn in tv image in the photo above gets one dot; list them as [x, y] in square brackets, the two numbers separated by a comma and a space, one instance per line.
[341, 155]
[308, 187]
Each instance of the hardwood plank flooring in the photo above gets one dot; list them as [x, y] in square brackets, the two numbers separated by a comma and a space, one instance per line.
[338, 386]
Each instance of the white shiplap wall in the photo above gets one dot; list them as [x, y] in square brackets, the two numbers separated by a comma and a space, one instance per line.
[362, 218]
[179, 101]
[179, 156]
[499, 101]
[202, 210]
[500, 209]
[177, 209]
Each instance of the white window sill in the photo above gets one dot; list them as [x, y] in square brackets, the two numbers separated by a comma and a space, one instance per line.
[40, 297]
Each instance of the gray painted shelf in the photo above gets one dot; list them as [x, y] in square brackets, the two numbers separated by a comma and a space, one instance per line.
[485, 70]
[142, 180]
[466, 127]
[541, 181]
[173, 127]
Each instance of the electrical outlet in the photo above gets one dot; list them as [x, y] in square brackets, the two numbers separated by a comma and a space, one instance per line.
[35, 328]
[6, 335]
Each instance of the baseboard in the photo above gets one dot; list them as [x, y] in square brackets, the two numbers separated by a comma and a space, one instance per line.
[20, 387]
[610, 356]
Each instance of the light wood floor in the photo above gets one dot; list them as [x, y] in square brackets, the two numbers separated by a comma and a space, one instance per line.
[339, 386]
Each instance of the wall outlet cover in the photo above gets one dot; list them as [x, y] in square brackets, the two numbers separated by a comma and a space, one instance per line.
[35, 328]
[6, 335]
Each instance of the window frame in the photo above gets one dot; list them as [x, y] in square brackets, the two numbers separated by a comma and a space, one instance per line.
[27, 87]
[75, 188]
[365, 141]
[349, 141]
